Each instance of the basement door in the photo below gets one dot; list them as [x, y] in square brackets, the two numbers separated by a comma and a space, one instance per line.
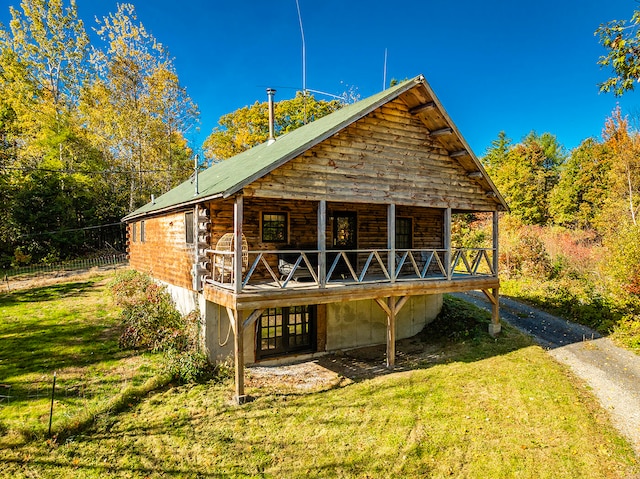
[285, 331]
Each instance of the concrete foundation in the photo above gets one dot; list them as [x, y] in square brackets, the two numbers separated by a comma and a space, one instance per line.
[363, 323]
[349, 325]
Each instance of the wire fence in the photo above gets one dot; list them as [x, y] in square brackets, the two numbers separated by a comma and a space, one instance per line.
[33, 406]
[114, 260]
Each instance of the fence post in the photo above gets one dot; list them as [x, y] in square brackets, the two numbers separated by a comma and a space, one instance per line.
[53, 392]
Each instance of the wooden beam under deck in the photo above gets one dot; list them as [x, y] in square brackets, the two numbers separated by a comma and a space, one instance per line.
[335, 293]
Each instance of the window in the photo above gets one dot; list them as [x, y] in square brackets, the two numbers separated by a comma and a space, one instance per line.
[134, 232]
[188, 227]
[142, 231]
[404, 233]
[274, 227]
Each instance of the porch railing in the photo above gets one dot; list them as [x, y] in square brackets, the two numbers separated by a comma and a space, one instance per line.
[267, 269]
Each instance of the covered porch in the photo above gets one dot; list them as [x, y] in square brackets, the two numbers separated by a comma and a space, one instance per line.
[334, 271]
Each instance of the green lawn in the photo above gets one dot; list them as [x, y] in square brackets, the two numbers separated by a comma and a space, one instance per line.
[69, 329]
[487, 409]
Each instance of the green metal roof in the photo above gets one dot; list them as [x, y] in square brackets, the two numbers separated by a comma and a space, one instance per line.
[230, 176]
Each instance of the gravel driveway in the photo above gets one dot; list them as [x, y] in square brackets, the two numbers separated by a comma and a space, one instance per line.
[613, 373]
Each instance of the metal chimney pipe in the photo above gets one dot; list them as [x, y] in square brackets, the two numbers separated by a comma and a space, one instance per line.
[270, 93]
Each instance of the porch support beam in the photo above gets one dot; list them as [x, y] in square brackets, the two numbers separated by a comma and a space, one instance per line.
[322, 243]
[235, 317]
[391, 240]
[391, 307]
[494, 297]
[252, 317]
[447, 241]
[232, 318]
[237, 242]
[391, 335]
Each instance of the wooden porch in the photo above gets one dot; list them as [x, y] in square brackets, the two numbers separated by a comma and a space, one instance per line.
[247, 282]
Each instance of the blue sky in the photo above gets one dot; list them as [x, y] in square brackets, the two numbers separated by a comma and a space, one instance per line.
[495, 65]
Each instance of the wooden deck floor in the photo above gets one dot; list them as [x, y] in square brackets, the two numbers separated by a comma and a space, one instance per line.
[269, 294]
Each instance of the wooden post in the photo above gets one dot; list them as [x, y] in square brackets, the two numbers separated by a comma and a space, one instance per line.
[322, 243]
[391, 334]
[391, 240]
[392, 308]
[496, 255]
[238, 350]
[447, 242]
[494, 296]
[237, 243]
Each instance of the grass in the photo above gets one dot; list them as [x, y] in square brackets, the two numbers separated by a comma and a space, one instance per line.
[70, 329]
[487, 408]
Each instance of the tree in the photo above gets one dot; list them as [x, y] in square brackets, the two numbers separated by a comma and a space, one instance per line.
[526, 173]
[249, 126]
[44, 148]
[44, 65]
[496, 154]
[621, 38]
[625, 170]
[137, 108]
[580, 194]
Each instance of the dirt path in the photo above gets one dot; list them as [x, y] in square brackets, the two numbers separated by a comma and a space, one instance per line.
[613, 373]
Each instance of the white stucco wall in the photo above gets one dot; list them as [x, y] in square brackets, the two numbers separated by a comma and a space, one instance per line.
[185, 299]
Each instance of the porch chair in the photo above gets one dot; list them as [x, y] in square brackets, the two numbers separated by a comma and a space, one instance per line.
[222, 263]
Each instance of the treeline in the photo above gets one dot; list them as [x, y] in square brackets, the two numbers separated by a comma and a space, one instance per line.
[87, 130]
[574, 215]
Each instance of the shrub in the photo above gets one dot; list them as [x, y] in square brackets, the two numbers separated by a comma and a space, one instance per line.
[526, 256]
[627, 332]
[622, 264]
[149, 317]
[186, 366]
[151, 321]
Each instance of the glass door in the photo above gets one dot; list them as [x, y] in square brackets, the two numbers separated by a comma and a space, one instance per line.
[283, 331]
[345, 237]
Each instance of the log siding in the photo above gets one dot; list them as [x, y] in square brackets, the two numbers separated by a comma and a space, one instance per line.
[164, 254]
[385, 157]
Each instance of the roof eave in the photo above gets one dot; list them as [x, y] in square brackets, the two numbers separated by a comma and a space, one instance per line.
[178, 206]
[500, 199]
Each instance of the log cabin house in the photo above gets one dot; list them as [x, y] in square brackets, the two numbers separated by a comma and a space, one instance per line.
[333, 236]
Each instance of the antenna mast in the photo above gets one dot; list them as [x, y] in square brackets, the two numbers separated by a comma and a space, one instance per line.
[384, 71]
[304, 63]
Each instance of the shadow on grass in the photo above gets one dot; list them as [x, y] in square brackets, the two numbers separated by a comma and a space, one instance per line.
[46, 293]
[48, 347]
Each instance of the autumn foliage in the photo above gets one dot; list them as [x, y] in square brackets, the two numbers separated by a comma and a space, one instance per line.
[571, 240]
